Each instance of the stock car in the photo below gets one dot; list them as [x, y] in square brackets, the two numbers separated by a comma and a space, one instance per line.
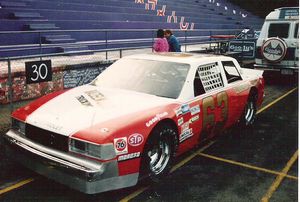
[133, 119]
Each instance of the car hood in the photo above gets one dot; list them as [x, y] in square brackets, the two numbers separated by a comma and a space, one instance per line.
[87, 105]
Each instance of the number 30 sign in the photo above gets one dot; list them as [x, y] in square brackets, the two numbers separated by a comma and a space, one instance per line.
[38, 71]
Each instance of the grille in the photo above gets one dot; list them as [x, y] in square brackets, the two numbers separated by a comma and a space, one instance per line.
[47, 138]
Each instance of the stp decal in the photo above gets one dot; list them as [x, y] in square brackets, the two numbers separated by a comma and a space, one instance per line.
[135, 139]
[121, 145]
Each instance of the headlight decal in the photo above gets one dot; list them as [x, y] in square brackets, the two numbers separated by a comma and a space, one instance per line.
[99, 151]
[18, 126]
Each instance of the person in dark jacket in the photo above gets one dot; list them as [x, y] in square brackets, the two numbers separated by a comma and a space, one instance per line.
[174, 45]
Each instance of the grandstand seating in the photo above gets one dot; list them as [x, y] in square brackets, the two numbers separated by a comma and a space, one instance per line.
[70, 25]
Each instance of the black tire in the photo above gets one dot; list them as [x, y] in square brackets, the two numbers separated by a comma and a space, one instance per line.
[248, 117]
[159, 153]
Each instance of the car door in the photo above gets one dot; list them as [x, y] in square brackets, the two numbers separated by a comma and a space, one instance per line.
[212, 98]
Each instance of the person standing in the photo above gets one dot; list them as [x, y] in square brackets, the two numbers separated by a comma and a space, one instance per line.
[174, 45]
[161, 43]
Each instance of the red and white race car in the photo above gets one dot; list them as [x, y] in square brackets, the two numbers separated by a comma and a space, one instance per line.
[133, 119]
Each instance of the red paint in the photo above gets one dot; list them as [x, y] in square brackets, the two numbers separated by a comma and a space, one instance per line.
[134, 129]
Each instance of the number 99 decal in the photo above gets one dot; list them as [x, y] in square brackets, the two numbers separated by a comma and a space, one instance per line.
[215, 114]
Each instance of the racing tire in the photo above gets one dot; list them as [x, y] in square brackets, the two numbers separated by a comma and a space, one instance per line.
[159, 153]
[249, 114]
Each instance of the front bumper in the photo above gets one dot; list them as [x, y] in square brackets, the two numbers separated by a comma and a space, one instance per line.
[78, 173]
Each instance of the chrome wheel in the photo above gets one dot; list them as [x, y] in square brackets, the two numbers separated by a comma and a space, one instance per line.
[159, 156]
[249, 113]
[159, 152]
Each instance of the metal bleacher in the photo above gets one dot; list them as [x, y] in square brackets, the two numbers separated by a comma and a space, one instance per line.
[31, 27]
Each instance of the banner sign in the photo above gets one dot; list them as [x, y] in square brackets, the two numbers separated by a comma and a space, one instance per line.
[245, 48]
[38, 71]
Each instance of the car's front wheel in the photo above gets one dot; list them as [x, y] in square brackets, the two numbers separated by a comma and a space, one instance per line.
[159, 152]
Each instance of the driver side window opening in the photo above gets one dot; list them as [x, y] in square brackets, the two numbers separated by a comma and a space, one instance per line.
[231, 71]
[210, 76]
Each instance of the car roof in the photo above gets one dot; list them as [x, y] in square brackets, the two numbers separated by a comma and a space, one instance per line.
[188, 58]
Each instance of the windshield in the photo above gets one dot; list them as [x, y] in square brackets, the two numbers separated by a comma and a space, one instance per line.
[158, 78]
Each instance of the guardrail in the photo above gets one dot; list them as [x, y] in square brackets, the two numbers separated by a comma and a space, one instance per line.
[101, 39]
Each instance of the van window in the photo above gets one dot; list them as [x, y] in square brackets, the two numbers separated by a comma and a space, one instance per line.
[296, 35]
[279, 30]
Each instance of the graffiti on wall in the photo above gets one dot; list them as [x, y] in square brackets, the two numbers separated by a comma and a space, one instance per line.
[62, 78]
[78, 77]
[171, 16]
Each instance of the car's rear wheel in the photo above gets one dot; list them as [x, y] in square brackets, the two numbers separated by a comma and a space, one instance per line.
[249, 113]
[159, 152]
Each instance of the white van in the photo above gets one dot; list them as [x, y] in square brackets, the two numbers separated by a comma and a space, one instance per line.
[277, 47]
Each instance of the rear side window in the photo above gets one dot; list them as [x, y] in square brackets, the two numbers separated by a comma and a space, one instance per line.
[198, 87]
[231, 71]
[296, 35]
[279, 30]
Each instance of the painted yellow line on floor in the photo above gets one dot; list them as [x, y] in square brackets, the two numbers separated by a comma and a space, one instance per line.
[279, 178]
[248, 166]
[275, 101]
[178, 165]
[134, 194]
[141, 190]
[187, 159]
[15, 186]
